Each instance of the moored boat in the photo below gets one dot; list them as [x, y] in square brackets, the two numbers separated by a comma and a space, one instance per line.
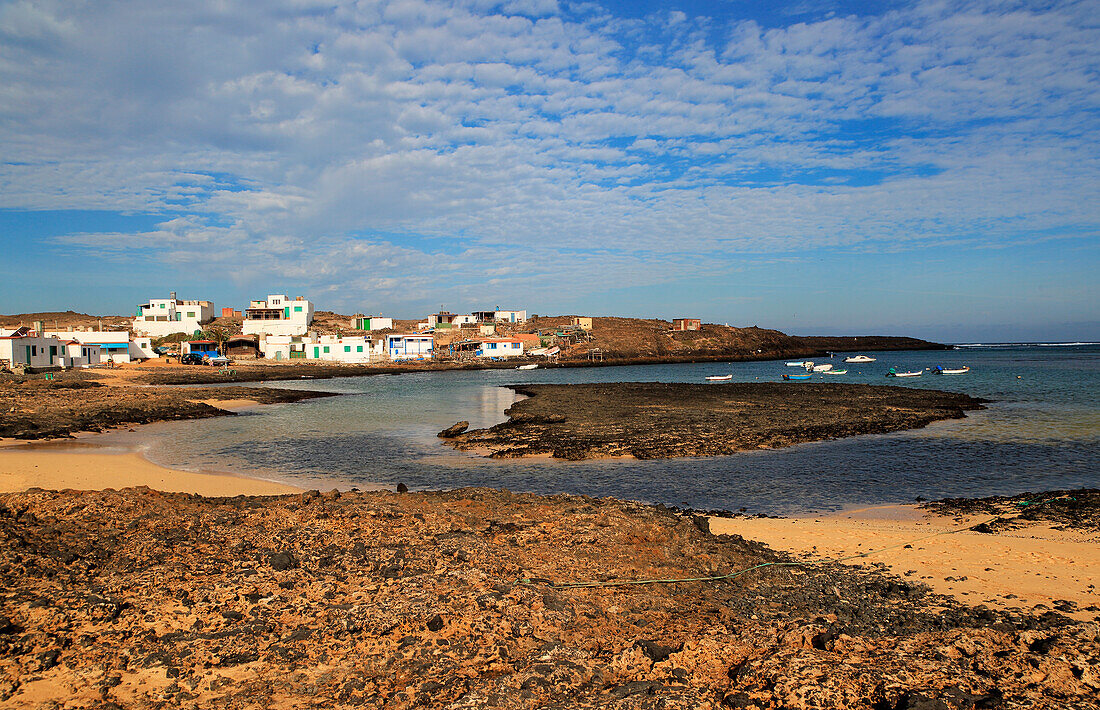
[800, 363]
[859, 358]
[716, 378]
[797, 377]
[940, 370]
[532, 366]
[894, 373]
[822, 368]
[835, 372]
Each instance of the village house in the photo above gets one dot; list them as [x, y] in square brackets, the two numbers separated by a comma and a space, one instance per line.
[499, 315]
[441, 320]
[686, 324]
[500, 348]
[116, 345]
[369, 323]
[582, 322]
[242, 347]
[418, 346]
[28, 348]
[231, 313]
[278, 315]
[165, 316]
[202, 348]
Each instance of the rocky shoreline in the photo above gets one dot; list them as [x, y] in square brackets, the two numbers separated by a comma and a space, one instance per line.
[664, 420]
[140, 599]
[47, 409]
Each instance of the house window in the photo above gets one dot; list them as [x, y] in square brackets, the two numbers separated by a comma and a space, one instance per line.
[190, 314]
[358, 348]
[326, 348]
[162, 305]
[347, 348]
[297, 309]
[34, 350]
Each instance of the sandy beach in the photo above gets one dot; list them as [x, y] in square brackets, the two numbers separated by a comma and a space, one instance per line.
[23, 467]
[1035, 565]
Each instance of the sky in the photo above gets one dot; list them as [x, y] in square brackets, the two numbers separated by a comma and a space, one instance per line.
[829, 167]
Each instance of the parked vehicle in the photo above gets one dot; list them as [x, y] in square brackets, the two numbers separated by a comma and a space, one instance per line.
[191, 359]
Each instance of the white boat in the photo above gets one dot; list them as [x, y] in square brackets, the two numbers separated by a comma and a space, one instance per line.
[894, 373]
[859, 358]
[800, 363]
[822, 368]
[938, 370]
[836, 372]
[528, 367]
[717, 378]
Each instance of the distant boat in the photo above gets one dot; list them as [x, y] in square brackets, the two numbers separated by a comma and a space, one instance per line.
[822, 368]
[800, 363]
[528, 367]
[836, 372]
[859, 358]
[939, 370]
[797, 377]
[716, 378]
[894, 373]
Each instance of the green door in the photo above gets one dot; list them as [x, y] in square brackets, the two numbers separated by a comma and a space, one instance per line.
[28, 354]
[316, 353]
[286, 312]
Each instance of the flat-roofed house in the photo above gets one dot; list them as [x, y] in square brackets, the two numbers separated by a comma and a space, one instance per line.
[278, 315]
[165, 316]
[686, 324]
[418, 346]
[371, 323]
[500, 348]
[115, 345]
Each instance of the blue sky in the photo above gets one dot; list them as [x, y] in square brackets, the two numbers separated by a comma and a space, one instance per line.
[923, 168]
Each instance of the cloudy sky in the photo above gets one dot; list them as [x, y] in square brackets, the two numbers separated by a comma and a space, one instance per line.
[836, 166]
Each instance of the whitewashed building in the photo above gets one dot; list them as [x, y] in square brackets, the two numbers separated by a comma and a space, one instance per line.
[116, 345]
[499, 315]
[278, 315]
[419, 346]
[353, 349]
[45, 352]
[371, 323]
[500, 348]
[165, 316]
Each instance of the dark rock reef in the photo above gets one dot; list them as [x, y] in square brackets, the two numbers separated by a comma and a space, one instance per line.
[139, 599]
[1076, 509]
[650, 420]
[46, 409]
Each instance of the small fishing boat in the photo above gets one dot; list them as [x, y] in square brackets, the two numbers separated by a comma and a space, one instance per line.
[532, 366]
[797, 377]
[719, 378]
[859, 358]
[822, 368]
[894, 373]
[836, 372]
[800, 363]
[940, 370]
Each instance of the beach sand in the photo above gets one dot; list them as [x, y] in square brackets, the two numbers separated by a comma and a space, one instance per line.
[1030, 566]
[23, 467]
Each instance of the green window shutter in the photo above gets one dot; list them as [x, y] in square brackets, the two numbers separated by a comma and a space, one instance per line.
[347, 348]
[162, 305]
[286, 312]
[358, 348]
[297, 309]
[326, 348]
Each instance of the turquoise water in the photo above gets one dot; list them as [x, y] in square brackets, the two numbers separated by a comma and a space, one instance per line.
[1042, 431]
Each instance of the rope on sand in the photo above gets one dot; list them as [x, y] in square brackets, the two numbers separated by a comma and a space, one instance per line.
[803, 563]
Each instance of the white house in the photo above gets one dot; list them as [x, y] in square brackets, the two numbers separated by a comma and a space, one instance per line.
[116, 345]
[371, 323]
[500, 348]
[410, 347]
[284, 347]
[348, 349]
[165, 316]
[78, 354]
[27, 347]
[278, 315]
[499, 315]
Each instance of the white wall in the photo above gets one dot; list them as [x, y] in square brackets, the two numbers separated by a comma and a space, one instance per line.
[296, 316]
[500, 348]
[165, 316]
[410, 347]
[124, 348]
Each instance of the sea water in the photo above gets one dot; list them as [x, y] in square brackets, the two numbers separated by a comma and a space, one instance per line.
[1041, 431]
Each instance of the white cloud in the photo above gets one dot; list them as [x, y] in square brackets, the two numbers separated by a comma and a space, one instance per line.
[525, 127]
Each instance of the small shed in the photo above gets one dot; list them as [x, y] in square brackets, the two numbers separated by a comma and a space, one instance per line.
[686, 324]
[242, 347]
[200, 347]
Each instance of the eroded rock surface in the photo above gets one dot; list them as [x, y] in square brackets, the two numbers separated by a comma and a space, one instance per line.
[139, 599]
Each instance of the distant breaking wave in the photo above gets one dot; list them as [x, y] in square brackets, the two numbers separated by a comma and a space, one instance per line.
[1021, 345]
